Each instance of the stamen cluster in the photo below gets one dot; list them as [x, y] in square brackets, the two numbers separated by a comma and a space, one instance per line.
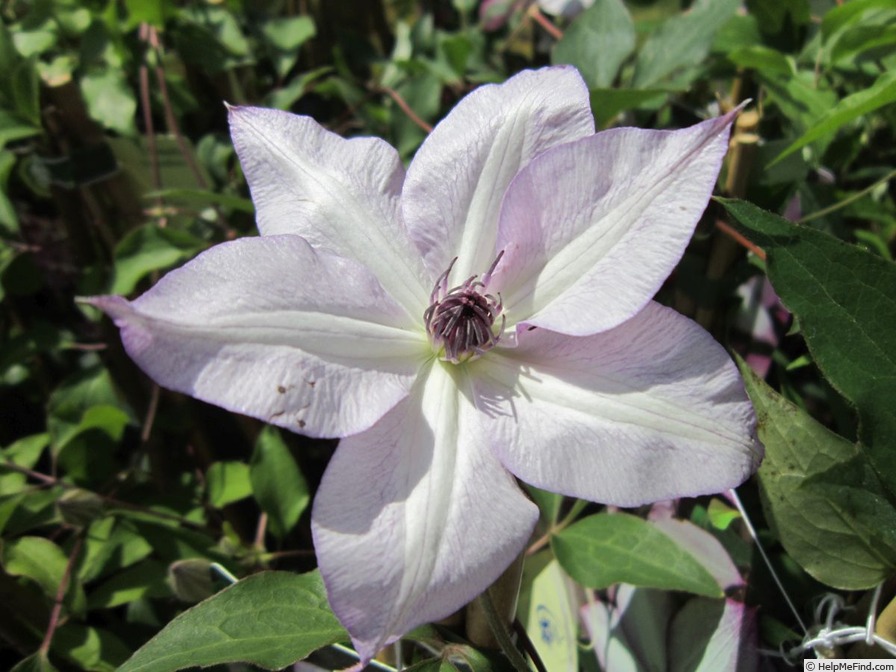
[460, 321]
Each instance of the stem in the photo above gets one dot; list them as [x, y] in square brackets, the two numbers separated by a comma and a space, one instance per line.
[545, 23]
[402, 103]
[500, 631]
[60, 596]
[846, 201]
[568, 519]
[728, 231]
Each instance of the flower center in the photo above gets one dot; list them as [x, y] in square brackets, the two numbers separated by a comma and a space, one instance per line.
[461, 321]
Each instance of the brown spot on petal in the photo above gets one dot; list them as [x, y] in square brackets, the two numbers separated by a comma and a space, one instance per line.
[281, 389]
[301, 424]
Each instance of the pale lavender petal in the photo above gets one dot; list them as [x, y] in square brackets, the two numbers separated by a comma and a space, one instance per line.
[650, 410]
[340, 195]
[453, 191]
[705, 548]
[591, 229]
[271, 328]
[415, 517]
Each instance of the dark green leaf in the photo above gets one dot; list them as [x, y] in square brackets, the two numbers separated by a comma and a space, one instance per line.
[765, 59]
[203, 198]
[277, 483]
[270, 619]
[9, 220]
[36, 662]
[85, 401]
[110, 545]
[845, 301]
[841, 533]
[598, 42]
[89, 648]
[604, 549]
[150, 248]
[227, 482]
[608, 103]
[13, 127]
[145, 579]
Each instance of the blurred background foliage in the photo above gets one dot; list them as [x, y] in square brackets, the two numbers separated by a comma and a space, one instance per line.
[116, 165]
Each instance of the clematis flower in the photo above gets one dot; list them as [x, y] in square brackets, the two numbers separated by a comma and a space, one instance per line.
[485, 316]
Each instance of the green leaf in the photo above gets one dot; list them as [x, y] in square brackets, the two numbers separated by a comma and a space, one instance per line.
[9, 220]
[37, 558]
[84, 401]
[110, 100]
[150, 248]
[608, 103]
[762, 58]
[36, 662]
[227, 482]
[110, 545]
[24, 453]
[801, 99]
[604, 549]
[146, 579]
[882, 92]
[277, 483]
[92, 649]
[681, 42]
[24, 88]
[286, 35]
[270, 619]
[840, 533]
[856, 27]
[13, 127]
[43, 562]
[203, 198]
[845, 301]
[598, 42]
[147, 11]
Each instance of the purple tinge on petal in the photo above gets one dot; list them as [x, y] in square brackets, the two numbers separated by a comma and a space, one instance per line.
[415, 517]
[705, 548]
[270, 328]
[651, 410]
[452, 195]
[591, 229]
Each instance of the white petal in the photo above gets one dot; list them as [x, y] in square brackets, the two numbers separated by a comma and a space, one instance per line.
[591, 229]
[650, 410]
[453, 191]
[415, 517]
[340, 195]
[271, 328]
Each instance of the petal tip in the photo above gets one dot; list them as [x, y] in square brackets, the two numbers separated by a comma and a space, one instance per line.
[116, 307]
